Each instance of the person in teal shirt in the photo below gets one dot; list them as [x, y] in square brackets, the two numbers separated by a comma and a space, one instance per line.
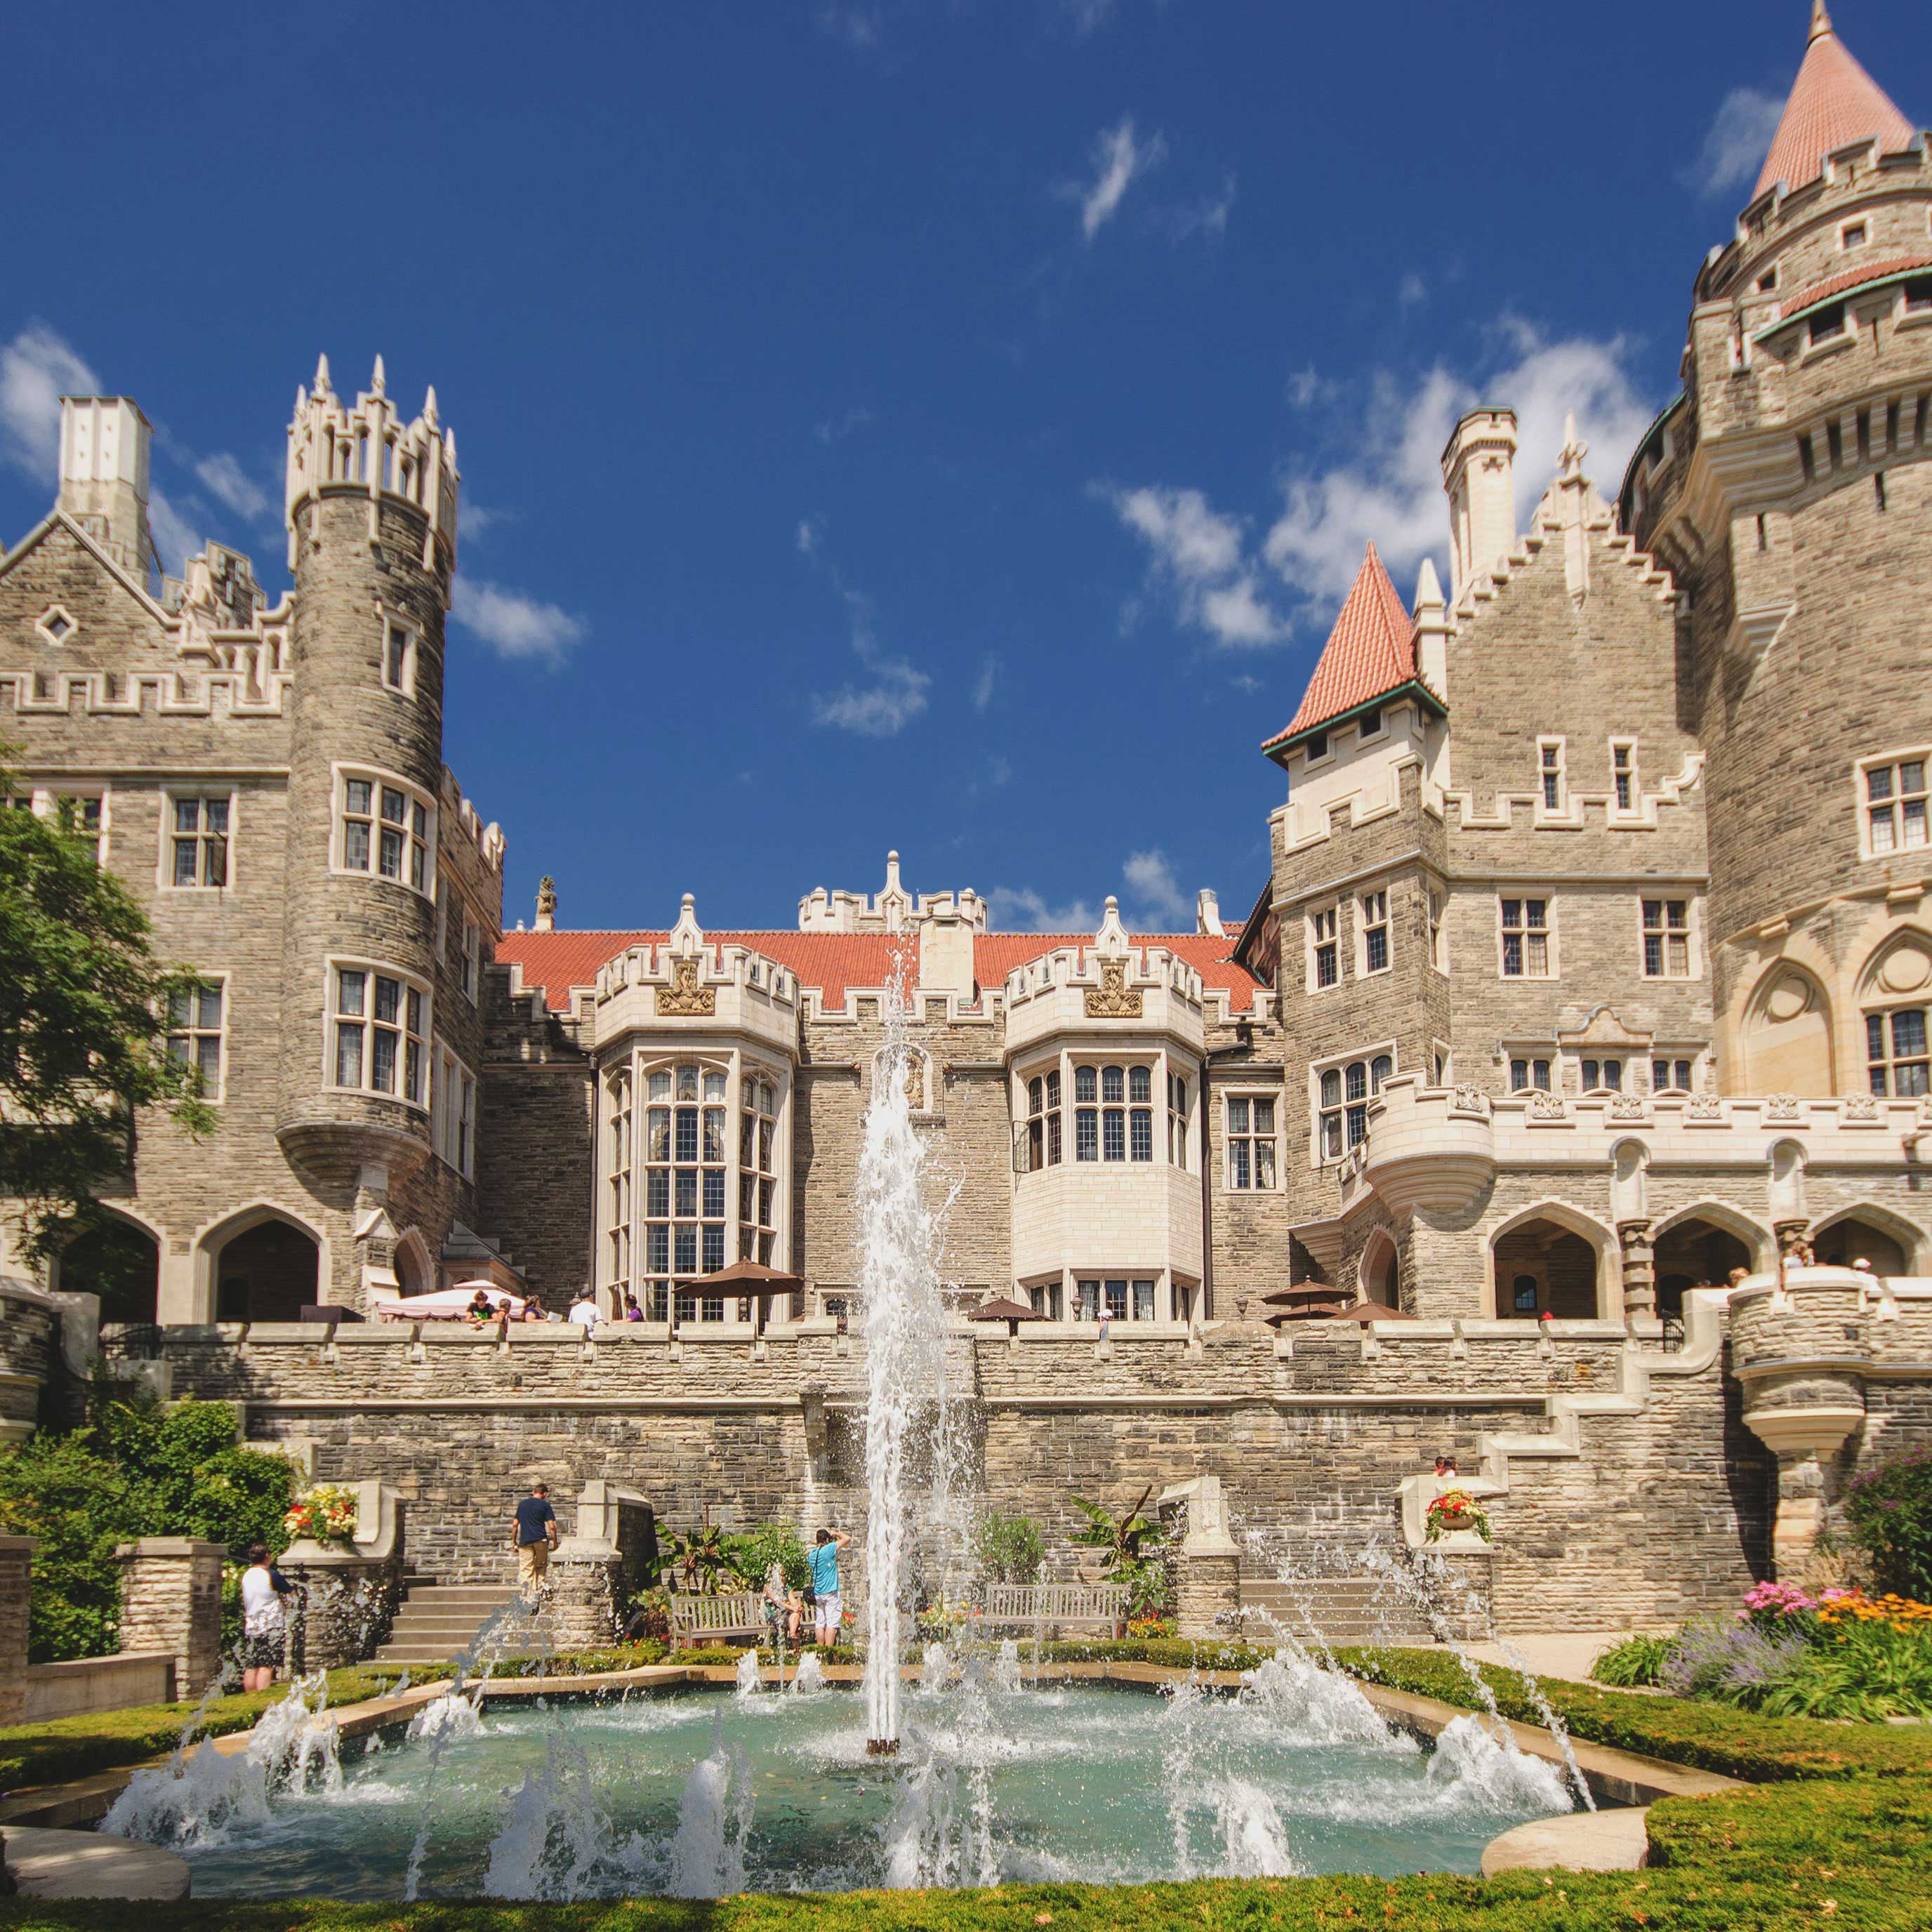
[826, 1605]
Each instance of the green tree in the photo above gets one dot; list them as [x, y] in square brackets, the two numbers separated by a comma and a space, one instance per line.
[83, 1027]
[1010, 1548]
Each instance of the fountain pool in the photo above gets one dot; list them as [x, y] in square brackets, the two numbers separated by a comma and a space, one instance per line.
[701, 1794]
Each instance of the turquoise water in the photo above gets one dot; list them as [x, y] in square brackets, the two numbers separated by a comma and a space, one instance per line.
[701, 1792]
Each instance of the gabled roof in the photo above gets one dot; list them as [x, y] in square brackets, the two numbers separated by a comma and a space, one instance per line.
[834, 961]
[1833, 103]
[1369, 654]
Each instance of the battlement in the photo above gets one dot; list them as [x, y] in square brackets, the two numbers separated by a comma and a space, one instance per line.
[368, 448]
[687, 983]
[893, 909]
[1113, 983]
[460, 814]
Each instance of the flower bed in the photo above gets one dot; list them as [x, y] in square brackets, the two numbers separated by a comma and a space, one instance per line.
[325, 1512]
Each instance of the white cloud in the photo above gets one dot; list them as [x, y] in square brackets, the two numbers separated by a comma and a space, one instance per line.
[1118, 159]
[229, 483]
[1414, 291]
[478, 522]
[1020, 909]
[1088, 16]
[515, 626]
[837, 429]
[1307, 387]
[1389, 487]
[1201, 556]
[880, 710]
[1152, 887]
[1206, 217]
[806, 541]
[858, 27]
[37, 368]
[983, 684]
[1736, 143]
[176, 539]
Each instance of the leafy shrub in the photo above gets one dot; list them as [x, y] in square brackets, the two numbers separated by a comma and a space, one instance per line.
[1636, 1660]
[1734, 1662]
[1890, 1514]
[749, 1556]
[1010, 1548]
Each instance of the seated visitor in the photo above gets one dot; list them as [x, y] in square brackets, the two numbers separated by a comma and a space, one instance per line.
[533, 1308]
[584, 1310]
[482, 1309]
[632, 1312]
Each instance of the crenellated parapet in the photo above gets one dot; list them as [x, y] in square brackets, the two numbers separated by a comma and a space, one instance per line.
[686, 985]
[1111, 988]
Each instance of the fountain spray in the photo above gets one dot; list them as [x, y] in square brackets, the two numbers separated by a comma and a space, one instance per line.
[904, 1323]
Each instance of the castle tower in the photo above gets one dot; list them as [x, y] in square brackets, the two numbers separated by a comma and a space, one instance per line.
[1478, 472]
[1789, 492]
[371, 516]
[103, 476]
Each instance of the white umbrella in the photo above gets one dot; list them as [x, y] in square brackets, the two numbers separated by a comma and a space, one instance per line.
[446, 1304]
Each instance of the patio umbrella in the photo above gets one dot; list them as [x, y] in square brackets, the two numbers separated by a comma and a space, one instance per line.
[1312, 1301]
[1004, 1308]
[445, 1304]
[752, 1282]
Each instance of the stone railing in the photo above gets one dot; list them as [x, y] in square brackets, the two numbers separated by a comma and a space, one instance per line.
[171, 1601]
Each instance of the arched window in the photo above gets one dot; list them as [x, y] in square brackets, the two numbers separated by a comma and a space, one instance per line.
[685, 1151]
[1346, 1092]
[1113, 1113]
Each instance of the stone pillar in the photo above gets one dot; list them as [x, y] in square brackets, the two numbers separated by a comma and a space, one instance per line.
[1640, 1270]
[17, 1590]
[171, 1599]
[581, 1597]
[1206, 1568]
[347, 1593]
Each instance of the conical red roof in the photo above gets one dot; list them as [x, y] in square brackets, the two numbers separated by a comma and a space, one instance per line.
[1371, 650]
[1833, 103]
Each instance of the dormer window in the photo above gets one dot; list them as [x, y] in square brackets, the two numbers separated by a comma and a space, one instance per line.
[1371, 724]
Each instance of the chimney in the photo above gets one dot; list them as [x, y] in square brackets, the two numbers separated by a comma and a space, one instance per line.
[1478, 472]
[1207, 913]
[946, 952]
[103, 476]
[546, 904]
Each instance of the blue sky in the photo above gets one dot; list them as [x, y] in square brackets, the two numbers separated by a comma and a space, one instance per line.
[942, 426]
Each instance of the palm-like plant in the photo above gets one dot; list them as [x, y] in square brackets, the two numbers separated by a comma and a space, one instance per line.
[1120, 1539]
[698, 1560]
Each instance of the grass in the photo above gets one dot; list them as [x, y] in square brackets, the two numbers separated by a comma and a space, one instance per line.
[1837, 1836]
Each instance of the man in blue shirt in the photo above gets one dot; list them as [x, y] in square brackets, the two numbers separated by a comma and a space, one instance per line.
[533, 1536]
[824, 1562]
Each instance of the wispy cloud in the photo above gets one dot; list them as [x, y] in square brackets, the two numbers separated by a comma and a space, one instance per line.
[836, 429]
[857, 27]
[1389, 485]
[896, 690]
[478, 521]
[806, 541]
[984, 684]
[521, 629]
[1088, 16]
[225, 480]
[177, 538]
[1020, 909]
[1152, 887]
[1201, 557]
[1735, 143]
[37, 368]
[1205, 220]
[1413, 291]
[1119, 159]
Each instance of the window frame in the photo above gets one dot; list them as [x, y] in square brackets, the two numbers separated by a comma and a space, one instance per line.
[1372, 917]
[1251, 1138]
[456, 1151]
[1664, 933]
[172, 836]
[1104, 1281]
[1883, 1065]
[1437, 914]
[1625, 779]
[403, 685]
[43, 797]
[1320, 939]
[1553, 775]
[1524, 931]
[342, 774]
[1896, 804]
[1595, 1074]
[1673, 1060]
[1539, 1064]
[334, 1015]
[1347, 1102]
[216, 1092]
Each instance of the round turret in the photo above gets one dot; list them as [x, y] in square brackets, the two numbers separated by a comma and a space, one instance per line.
[371, 518]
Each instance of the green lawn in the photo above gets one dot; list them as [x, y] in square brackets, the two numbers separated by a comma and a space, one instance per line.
[1836, 1835]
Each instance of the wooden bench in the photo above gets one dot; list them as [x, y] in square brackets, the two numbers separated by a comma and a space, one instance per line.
[698, 1620]
[1102, 1607]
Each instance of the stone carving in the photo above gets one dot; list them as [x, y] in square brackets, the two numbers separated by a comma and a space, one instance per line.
[1705, 1107]
[1546, 1106]
[684, 997]
[1861, 1107]
[546, 895]
[1470, 1100]
[1627, 1107]
[1114, 999]
[1783, 1107]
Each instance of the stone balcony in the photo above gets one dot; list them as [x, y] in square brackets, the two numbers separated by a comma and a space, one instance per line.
[1438, 1148]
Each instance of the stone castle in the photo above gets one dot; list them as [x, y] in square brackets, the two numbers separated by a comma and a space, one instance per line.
[1580, 1030]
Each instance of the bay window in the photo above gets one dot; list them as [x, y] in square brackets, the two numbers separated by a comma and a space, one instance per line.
[379, 1022]
[385, 827]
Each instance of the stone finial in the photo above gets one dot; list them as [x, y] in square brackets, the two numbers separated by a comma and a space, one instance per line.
[687, 936]
[1428, 588]
[429, 406]
[378, 381]
[1431, 630]
[1821, 22]
[546, 904]
[1112, 937]
[322, 375]
[1571, 455]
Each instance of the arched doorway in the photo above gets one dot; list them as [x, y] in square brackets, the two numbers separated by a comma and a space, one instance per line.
[1376, 1276]
[1543, 1267]
[416, 1274]
[267, 1272]
[122, 1263]
[1858, 1236]
[1697, 1253]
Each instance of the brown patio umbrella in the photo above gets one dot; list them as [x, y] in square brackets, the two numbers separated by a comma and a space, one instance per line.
[1372, 1311]
[1004, 1308]
[1312, 1301]
[752, 1282]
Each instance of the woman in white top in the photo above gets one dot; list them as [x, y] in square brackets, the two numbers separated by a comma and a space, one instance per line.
[264, 1621]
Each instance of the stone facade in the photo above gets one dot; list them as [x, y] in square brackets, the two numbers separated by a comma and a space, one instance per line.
[1592, 955]
[171, 1600]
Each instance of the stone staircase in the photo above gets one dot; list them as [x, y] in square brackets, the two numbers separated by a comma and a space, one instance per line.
[1336, 1609]
[434, 1621]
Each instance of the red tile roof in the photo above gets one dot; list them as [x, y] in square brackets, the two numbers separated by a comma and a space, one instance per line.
[833, 961]
[1371, 650]
[1855, 278]
[1833, 103]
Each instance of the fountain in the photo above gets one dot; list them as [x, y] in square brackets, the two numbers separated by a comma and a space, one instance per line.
[903, 1319]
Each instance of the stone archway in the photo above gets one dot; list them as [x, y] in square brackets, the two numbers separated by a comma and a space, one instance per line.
[120, 1261]
[265, 1267]
[1870, 1235]
[1553, 1260]
[1787, 1034]
[1377, 1276]
[1698, 1249]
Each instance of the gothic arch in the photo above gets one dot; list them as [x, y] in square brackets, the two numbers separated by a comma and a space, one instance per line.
[122, 1263]
[1898, 969]
[213, 1242]
[1787, 1032]
[1378, 1271]
[1732, 1220]
[413, 1264]
[1912, 1239]
[1568, 1219]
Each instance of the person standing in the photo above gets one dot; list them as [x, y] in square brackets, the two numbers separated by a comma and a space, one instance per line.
[584, 1310]
[265, 1623]
[533, 1537]
[826, 1605]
